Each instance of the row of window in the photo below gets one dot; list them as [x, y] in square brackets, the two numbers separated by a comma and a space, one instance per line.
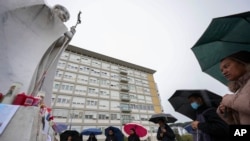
[81, 89]
[103, 104]
[91, 71]
[96, 72]
[99, 64]
[92, 115]
[73, 77]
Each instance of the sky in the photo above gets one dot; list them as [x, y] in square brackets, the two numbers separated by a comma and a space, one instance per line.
[157, 34]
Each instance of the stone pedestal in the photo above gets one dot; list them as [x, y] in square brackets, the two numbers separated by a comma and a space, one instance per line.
[24, 126]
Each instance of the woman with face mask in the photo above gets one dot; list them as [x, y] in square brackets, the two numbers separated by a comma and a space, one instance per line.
[209, 126]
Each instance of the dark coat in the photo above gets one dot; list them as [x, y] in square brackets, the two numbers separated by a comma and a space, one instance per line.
[168, 136]
[133, 137]
[213, 126]
[92, 138]
[111, 138]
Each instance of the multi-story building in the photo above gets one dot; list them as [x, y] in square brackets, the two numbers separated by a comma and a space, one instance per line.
[94, 90]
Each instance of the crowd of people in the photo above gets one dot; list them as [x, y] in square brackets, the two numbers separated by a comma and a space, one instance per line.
[212, 123]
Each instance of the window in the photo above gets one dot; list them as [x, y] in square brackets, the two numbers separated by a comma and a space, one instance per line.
[113, 116]
[93, 81]
[78, 102]
[144, 117]
[114, 94]
[105, 66]
[63, 99]
[114, 76]
[95, 72]
[77, 114]
[92, 91]
[56, 86]
[74, 58]
[67, 87]
[65, 55]
[115, 68]
[96, 63]
[114, 105]
[61, 64]
[60, 113]
[85, 60]
[90, 115]
[80, 90]
[104, 104]
[92, 102]
[103, 116]
[139, 89]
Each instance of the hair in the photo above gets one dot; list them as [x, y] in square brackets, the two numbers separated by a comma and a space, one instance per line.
[195, 95]
[162, 120]
[234, 85]
[242, 57]
[133, 130]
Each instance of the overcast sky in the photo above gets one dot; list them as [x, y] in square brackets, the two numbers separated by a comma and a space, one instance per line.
[156, 34]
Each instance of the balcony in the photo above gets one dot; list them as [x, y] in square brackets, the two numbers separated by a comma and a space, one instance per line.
[125, 97]
[125, 109]
[123, 79]
[124, 88]
[123, 71]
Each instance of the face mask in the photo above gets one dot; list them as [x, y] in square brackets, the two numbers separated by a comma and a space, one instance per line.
[195, 105]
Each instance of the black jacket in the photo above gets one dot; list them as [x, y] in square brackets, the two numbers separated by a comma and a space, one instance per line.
[168, 136]
[214, 126]
[133, 137]
[92, 139]
[111, 138]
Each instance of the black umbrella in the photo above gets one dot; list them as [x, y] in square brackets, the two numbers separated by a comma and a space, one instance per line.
[163, 116]
[73, 133]
[117, 132]
[179, 101]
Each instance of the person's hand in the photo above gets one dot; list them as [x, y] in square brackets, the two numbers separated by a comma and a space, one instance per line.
[222, 108]
[194, 124]
[164, 130]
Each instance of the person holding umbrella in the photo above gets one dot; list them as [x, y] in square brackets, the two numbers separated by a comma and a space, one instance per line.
[234, 108]
[111, 136]
[133, 136]
[92, 137]
[165, 133]
[208, 125]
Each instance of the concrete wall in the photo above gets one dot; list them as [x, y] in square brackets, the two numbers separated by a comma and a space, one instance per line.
[24, 126]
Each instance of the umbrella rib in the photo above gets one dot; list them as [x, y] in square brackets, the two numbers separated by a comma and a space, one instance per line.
[234, 42]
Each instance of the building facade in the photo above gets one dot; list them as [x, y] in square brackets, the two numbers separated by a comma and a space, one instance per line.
[94, 90]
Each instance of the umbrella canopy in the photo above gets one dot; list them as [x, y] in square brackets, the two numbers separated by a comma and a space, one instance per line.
[162, 116]
[140, 130]
[179, 101]
[59, 127]
[117, 132]
[95, 131]
[223, 37]
[189, 129]
[73, 133]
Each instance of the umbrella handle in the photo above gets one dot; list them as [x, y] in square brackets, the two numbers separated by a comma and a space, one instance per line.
[197, 134]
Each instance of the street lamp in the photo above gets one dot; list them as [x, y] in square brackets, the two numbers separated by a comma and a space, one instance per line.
[72, 114]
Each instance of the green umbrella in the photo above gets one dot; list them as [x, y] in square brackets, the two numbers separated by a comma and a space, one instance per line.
[223, 37]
